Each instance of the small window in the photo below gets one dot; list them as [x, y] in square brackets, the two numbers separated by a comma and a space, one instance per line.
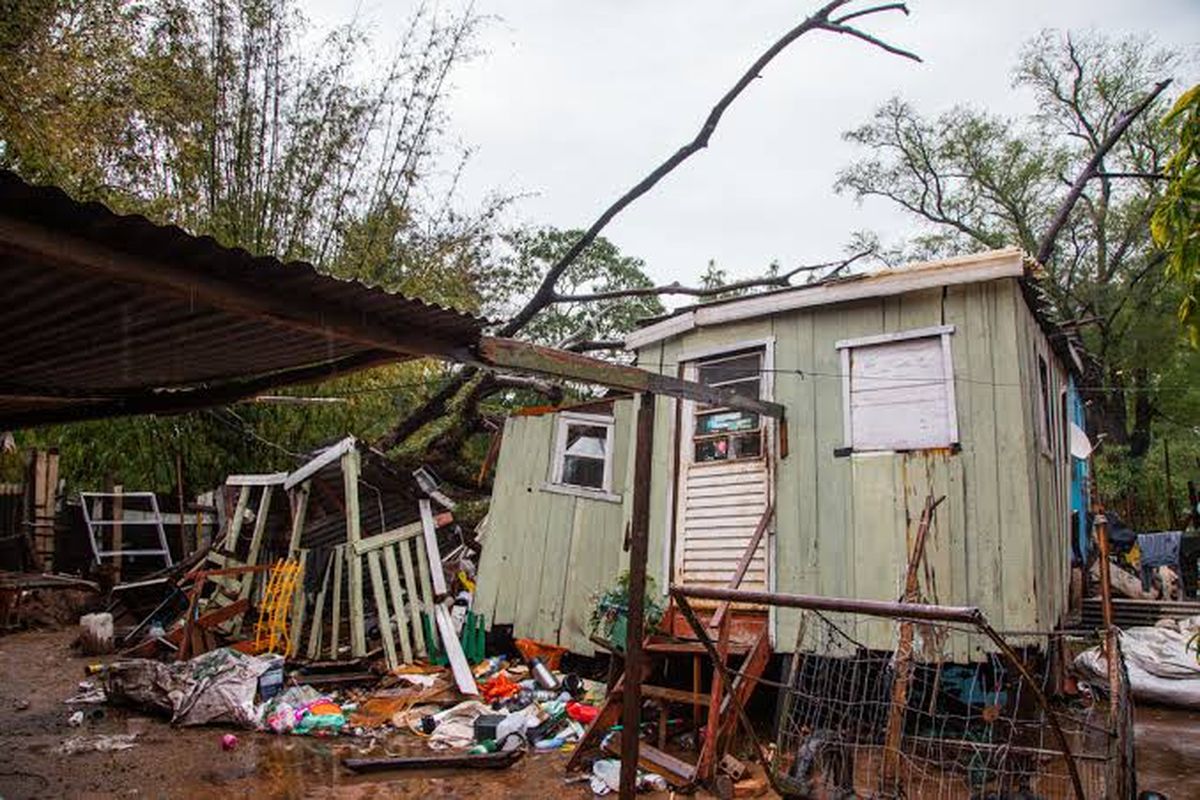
[722, 434]
[1047, 423]
[583, 452]
[898, 391]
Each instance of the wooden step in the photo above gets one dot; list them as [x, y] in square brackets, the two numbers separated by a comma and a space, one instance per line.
[676, 695]
[684, 647]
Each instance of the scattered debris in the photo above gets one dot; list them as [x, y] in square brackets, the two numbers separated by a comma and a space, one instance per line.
[1162, 668]
[99, 743]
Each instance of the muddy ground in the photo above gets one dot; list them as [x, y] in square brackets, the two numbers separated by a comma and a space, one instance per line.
[38, 670]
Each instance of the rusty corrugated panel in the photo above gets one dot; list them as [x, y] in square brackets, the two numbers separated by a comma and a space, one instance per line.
[77, 345]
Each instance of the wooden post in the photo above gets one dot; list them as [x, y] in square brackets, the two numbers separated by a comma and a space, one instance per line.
[358, 626]
[635, 632]
[1170, 490]
[118, 532]
[183, 537]
[903, 660]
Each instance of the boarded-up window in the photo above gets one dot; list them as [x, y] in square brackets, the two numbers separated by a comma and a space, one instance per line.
[898, 391]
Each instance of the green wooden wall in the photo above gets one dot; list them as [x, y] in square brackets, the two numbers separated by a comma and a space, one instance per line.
[843, 524]
[546, 554]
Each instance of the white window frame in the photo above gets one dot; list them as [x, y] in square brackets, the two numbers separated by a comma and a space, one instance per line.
[845, 346]
[564, 419]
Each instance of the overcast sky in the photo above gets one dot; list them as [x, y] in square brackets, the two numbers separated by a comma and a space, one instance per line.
[573, 102]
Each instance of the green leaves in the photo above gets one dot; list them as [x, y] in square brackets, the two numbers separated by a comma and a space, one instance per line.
[1175, 224]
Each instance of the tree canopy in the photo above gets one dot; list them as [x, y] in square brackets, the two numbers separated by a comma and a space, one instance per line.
[976, 180]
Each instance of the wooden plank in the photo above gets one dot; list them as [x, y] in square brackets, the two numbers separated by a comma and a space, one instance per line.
[318, 618]
[235, 524]
[413, 591]
[299, 515]
[260, 526]
[427, 600]
[358, 626]
[269, 479]
[339, 557]
[459, 667]
[437, 574]
[381, 608]
[393, 582]
[296, 626]
[389, 538]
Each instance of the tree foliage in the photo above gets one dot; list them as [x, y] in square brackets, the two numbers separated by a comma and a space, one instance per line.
[1176, 221]
[976, 180]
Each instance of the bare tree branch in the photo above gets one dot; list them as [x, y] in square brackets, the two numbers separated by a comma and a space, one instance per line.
[1090, 170]
[866, 37]
[1151, 176]
[781, 281]
[592, 345]
[820, 20]
[872, 10]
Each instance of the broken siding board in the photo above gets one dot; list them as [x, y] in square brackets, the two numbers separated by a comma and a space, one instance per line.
[547, 544]
[530, 439]
[397, 597]
[878, 530]
[260, 525]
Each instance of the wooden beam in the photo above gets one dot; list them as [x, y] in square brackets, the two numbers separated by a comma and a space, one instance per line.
[539, 360]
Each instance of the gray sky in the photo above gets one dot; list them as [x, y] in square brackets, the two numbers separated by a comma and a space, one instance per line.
[573, 102]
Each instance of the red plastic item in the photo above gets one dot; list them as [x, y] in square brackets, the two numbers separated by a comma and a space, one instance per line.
[499, 688]
[229, 742]
[582, 713]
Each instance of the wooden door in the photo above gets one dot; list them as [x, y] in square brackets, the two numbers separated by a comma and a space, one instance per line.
[724, 477]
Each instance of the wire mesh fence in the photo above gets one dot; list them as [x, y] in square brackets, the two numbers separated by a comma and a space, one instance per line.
[946, 709]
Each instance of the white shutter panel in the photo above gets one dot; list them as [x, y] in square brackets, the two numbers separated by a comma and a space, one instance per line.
[898, 398]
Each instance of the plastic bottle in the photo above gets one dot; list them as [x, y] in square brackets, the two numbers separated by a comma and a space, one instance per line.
[542, 674]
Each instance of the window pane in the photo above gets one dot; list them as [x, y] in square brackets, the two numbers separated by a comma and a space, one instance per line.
[726, 421]
[587, 440]
[712, 450]
[747, 446]
[731, 369]
[582, 471]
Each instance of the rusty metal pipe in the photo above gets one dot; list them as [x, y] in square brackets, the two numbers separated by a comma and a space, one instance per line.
[967, 615]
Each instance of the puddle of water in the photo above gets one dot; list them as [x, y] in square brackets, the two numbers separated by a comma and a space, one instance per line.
[1168, 751]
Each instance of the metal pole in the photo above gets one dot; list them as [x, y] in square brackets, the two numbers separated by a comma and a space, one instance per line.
[638, 550]
[967, 615]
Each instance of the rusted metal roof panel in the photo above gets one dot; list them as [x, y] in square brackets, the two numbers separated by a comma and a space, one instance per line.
[78, 343]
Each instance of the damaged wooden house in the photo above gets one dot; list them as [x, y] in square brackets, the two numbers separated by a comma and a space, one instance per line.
[938, 378]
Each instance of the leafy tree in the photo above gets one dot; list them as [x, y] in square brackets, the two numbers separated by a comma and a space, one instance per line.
[216, 116]
[977, 181]
[601, 267]
[1176, 220]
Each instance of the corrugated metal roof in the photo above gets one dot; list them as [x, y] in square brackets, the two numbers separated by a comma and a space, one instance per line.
[79, 344]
